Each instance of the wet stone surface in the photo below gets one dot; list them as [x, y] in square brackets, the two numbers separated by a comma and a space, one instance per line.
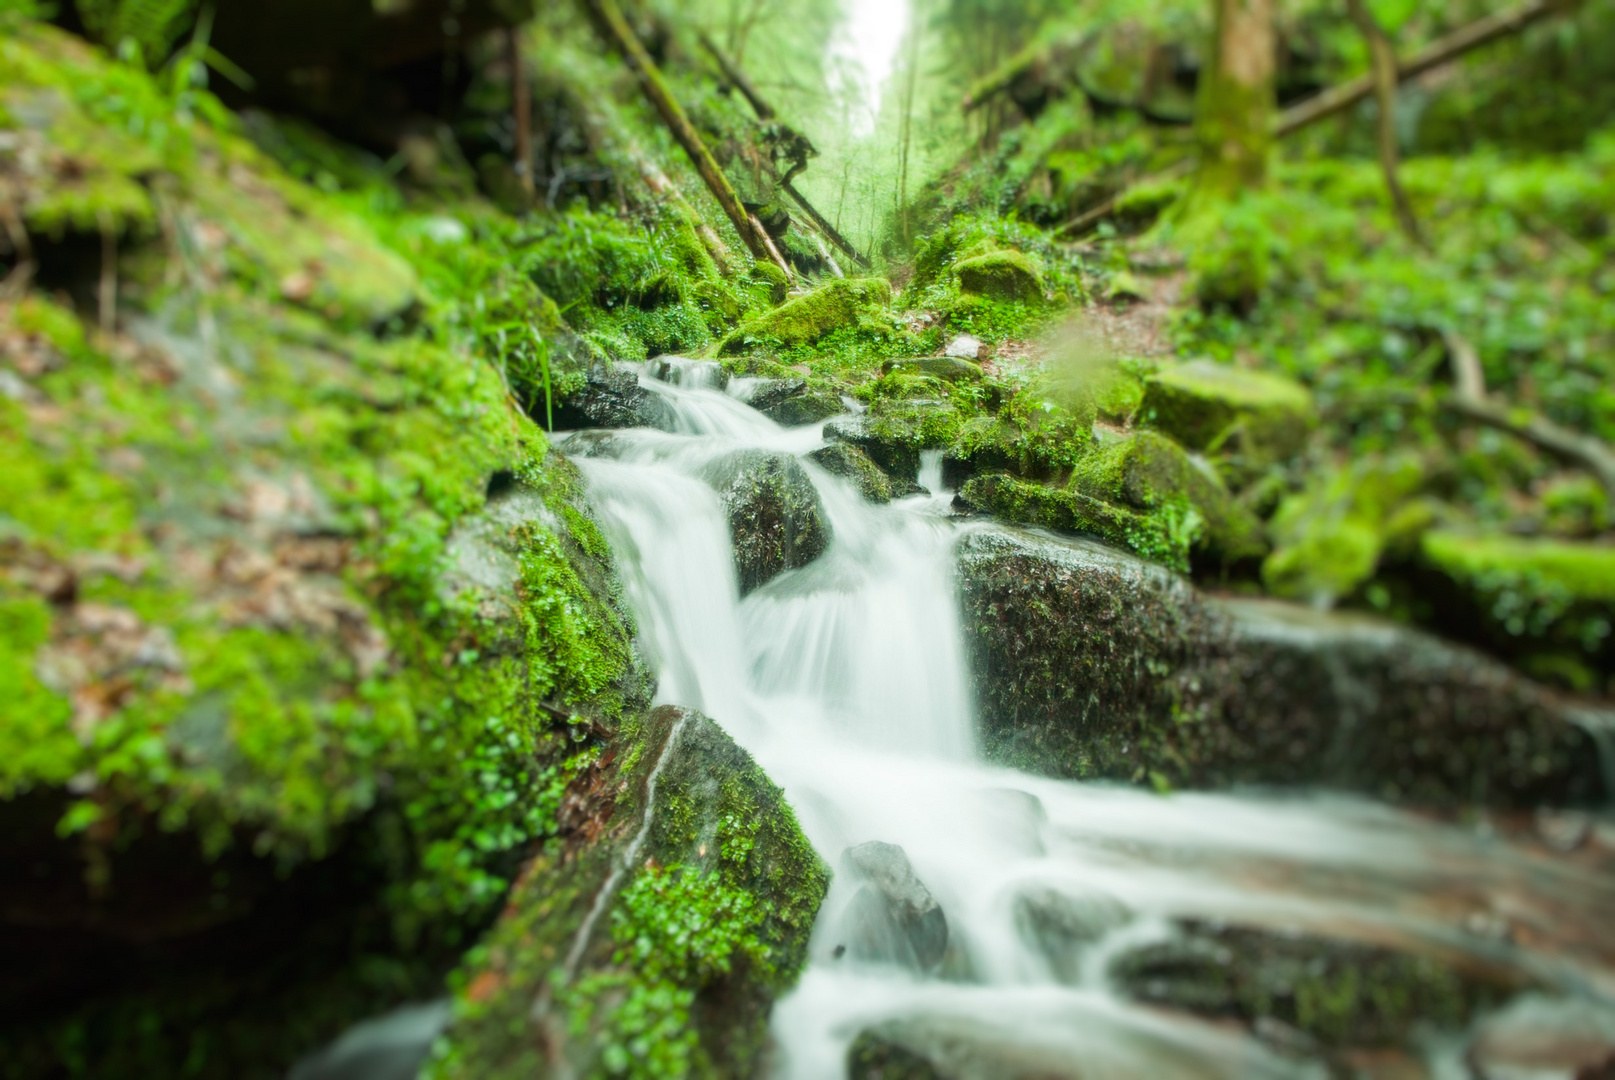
[777, 520]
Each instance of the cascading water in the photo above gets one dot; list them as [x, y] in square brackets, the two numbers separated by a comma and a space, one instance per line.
[846, 679]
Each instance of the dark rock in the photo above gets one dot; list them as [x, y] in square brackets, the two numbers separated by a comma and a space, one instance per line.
[612, 398]
[390, 1047]
[849, 462]
[1338, 994]
[898, 459]
[1062, 925]
[690, 374]
[1090, 663]
[716, 827]
[957, 1048]
[893, 918]
[777, 519]
[946, 368]
[792, 402]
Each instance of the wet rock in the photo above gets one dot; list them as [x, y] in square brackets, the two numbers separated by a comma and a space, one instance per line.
[1338, 994]
[1148, 472]
[955, 1048]
[1000, 275]
[849, 462]
[774, 510]
[1215, 408]
[1537, 1036]
[1089, 663]
[898, 458]
[690, 374]
[966, 347]
[793, 402]
[709, 830]
[893, 918]
[1063, 924]
[611, 397]
[390, 1047]
[946, 368]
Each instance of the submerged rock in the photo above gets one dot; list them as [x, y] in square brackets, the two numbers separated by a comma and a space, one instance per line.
[1063, 924]
[1089, 663]
[678, 828]
[793, 402]
[611, 397]
[1256, 417]
[777, 520]
[1307, 990]
[893, 918]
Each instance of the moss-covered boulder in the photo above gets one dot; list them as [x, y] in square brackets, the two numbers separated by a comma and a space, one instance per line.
[1003, 274]
[611, 397]
[805, 319]
[850, 463]
[1249, 417]
[777, 520]
[653, 935]
[1148, 472]
[1548, 605]
[794, 402]
[946, 368]
[1090, 663]
[1163, 535]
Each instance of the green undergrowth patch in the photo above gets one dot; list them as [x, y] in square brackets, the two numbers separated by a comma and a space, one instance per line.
[227, 543]
[993, 277]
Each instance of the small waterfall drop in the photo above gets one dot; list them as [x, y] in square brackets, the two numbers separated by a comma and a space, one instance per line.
[847, 680]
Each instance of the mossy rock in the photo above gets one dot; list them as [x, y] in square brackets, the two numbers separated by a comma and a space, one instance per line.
[706, 923]
[1545, 603]
[1329, 537]
[1162, 535]
[793, 402]
[805, 319]
[776, 518]
[1147, 471]
[1090, 663]
[1210, 407]
[946, 368]
[1004, 274]
[1342, 995]
[850, 463]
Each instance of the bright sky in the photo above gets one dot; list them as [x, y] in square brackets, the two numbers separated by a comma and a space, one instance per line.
[867, 42]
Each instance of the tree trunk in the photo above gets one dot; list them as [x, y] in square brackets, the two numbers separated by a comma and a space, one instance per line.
[908, 123]
[1233, 114]
[608, 18]
[521, 105]
[1384, 71]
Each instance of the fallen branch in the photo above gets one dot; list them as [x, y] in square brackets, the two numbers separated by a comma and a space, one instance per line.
[609, 20]
[732, 72]
[1470, 400]
[824, 226]
[1337, 98]
[1443, 50]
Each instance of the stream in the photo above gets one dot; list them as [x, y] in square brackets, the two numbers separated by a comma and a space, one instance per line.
[848, 680]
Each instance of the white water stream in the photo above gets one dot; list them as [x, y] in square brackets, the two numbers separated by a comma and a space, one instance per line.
[847, 681]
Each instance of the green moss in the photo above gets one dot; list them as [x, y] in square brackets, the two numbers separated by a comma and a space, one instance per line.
[1147, 471]
[1163, 535]
[1215, 408]
[803, 320]
[1000, 275]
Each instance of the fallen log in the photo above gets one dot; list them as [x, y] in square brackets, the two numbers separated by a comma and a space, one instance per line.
[1470, 400]
[608, 19]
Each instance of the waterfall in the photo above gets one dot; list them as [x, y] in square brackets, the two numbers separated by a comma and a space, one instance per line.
[847, 680]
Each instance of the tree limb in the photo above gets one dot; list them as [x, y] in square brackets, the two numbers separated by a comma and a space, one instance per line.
[609, 20]
[1469, 400]
[1383, 61]
[1441, 51]
[732, 72]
